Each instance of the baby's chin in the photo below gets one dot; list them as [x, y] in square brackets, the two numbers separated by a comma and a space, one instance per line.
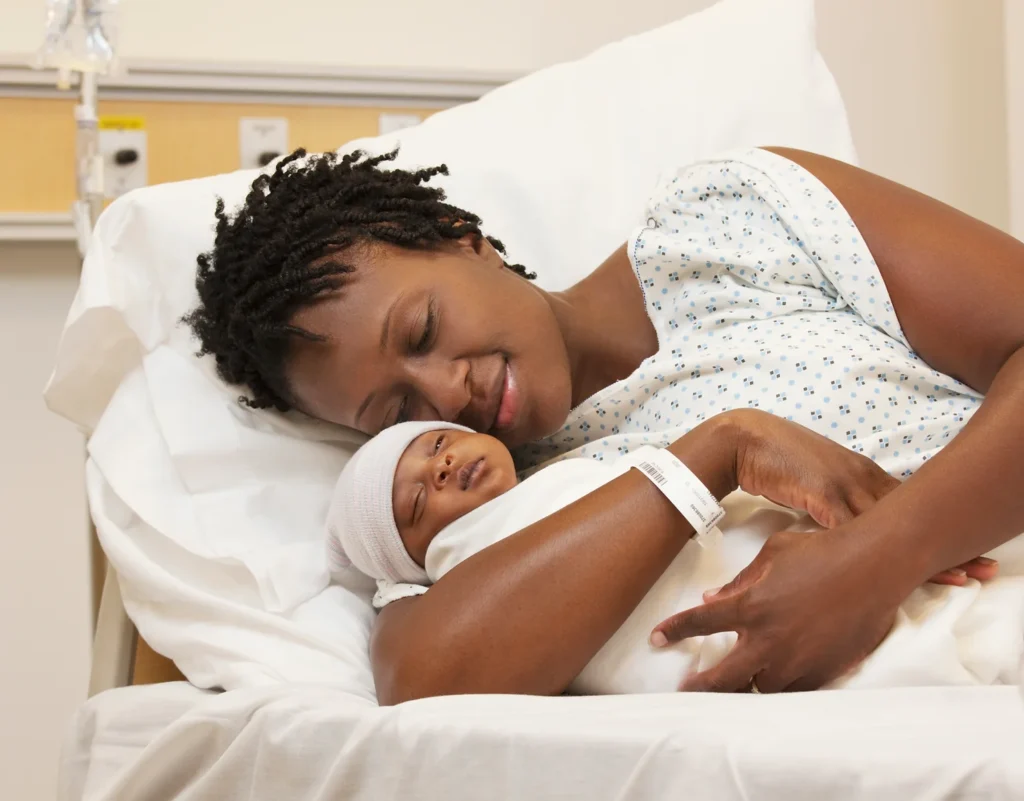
[501, 482]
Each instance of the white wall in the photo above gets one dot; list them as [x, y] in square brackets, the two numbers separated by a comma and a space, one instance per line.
[45, 606]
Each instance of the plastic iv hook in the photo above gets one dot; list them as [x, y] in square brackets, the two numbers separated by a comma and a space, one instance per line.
[83, 49]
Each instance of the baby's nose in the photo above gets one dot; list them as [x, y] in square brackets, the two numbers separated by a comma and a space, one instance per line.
[444, 469]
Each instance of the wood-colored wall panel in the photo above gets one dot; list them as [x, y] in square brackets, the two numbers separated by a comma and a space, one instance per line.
[150, 667]
[37, 155]
[185, 140]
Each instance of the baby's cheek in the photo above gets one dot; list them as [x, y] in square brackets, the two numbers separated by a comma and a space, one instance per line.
[455, 507]
[505, 482]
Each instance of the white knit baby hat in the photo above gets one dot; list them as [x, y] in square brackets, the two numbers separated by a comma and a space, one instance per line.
[361, 528]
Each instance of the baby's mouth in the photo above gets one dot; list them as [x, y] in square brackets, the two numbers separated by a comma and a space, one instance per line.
[469, 472]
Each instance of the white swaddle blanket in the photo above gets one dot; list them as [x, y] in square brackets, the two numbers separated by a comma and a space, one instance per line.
[942, 636]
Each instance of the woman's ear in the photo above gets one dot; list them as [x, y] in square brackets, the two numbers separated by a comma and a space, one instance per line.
[478, 245]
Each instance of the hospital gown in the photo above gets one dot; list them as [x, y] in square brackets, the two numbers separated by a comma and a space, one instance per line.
[764, 295]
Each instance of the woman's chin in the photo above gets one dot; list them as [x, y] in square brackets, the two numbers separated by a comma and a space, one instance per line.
[533, 430]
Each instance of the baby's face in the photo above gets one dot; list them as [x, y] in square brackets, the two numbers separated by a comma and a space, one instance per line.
[443, 475]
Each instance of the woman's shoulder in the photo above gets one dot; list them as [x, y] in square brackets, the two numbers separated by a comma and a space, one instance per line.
[722, 174]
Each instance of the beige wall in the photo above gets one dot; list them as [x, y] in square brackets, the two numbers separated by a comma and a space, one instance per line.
[1014, 49]
[923, 79]
[924, 83]
[500, 35]
[44, 595]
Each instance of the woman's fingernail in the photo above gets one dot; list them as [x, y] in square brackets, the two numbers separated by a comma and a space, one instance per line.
[658, 639]
[984, 560]
[958, 571]
[712, 592]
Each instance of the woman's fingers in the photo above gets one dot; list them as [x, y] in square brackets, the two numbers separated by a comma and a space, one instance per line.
[954, 577]
[720, 611]
[981, 569]
[720, 614]
[740, 582]
[732, 674]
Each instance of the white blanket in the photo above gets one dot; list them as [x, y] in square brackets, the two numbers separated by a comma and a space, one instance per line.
[943, 635]
[315, 743]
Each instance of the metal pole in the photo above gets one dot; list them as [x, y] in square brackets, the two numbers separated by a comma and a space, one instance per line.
[89, 181]
[89, 165]
[83, 51]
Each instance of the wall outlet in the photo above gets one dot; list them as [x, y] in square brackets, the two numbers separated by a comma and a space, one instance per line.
[122, 144]
[388, 123]
[261, 140]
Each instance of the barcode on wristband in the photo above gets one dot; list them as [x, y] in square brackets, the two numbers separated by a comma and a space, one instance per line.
[683, 490]
[654, 473]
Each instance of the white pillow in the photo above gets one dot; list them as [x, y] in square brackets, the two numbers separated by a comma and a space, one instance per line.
[212, 514]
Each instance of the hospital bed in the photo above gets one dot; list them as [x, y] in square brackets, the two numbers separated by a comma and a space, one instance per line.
[211, 514]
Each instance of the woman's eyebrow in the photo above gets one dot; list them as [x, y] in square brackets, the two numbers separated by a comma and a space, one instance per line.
[385, 329]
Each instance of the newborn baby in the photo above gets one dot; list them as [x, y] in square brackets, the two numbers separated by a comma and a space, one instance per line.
[422, 497]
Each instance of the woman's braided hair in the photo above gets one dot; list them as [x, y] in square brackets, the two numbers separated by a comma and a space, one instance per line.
[274, 255]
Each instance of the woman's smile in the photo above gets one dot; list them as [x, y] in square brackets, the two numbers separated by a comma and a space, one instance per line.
[508, 407]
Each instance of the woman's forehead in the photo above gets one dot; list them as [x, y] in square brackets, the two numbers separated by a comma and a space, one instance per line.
[327, 377]
[332, 377]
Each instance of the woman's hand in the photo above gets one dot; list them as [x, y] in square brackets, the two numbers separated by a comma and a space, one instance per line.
[793, 466]
[807, 609]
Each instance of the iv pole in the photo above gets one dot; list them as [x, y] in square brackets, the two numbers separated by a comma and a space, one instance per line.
[89, 164]
[79, 44]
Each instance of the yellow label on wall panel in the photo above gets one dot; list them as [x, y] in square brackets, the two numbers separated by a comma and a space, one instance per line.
[120, 122]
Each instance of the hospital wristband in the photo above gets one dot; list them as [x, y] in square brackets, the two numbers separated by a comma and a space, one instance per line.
[683, 490]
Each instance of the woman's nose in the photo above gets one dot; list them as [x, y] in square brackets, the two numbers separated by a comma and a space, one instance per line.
[444, 383]
[442, 469]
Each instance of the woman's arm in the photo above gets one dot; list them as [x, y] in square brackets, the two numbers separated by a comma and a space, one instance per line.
[957, 286]
[526, 614]
[956, 283]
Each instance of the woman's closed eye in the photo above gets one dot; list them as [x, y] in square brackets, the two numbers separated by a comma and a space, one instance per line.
[428, 331]
[419, 344]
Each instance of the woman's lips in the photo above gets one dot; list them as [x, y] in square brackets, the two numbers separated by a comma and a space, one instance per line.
[470, 472]
[509, 405]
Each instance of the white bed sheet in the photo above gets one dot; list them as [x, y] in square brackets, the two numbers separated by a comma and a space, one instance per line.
[314, 743]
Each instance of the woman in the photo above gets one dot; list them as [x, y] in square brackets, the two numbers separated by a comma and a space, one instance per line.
[780, 279]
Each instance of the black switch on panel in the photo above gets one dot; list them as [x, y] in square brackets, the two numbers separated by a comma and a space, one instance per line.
[126, 156]
[267, 156]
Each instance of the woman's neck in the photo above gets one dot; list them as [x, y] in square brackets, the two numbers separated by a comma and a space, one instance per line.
[604, 325]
